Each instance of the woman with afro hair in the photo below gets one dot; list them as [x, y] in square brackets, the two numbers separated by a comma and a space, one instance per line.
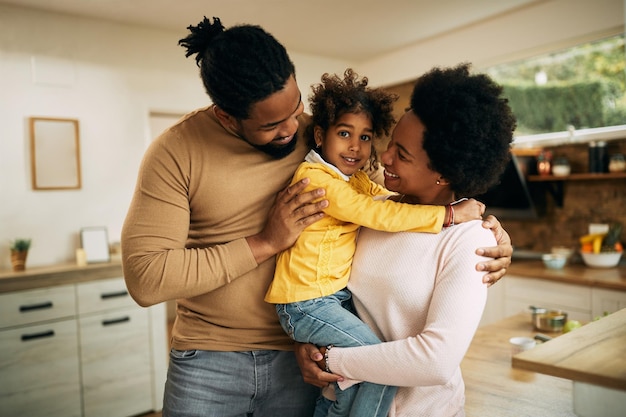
[309, 286]
[421, 293]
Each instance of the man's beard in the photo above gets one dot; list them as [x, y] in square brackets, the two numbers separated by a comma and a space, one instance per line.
[279, 152]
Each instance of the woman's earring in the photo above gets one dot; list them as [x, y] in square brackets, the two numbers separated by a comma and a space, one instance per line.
[438, 182]
[318, 145]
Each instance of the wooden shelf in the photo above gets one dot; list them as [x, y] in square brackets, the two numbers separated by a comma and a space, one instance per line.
[578, 177]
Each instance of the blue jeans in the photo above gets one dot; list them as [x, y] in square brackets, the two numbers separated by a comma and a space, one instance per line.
[330, 320]
[236, 384]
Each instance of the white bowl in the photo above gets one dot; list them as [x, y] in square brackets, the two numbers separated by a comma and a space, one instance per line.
[563, 250]
[601, 260]
[554, 260]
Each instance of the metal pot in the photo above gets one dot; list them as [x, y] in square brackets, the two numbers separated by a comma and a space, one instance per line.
[548, 320]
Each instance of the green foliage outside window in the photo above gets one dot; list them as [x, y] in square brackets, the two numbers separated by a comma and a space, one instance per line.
[584, 87]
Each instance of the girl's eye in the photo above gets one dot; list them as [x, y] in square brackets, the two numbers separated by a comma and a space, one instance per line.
[343, 133]
[366, 138]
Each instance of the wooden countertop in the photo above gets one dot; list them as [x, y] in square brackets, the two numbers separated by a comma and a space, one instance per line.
[579, 274]
[494, 388]
[57, 275]
[594, 354]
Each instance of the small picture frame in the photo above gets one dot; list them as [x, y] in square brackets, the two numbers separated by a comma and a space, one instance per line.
[95, 242]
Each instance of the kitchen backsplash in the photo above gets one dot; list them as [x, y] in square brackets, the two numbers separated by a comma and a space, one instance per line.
[584, 202]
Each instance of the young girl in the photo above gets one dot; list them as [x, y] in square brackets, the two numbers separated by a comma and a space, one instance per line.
[309, 286]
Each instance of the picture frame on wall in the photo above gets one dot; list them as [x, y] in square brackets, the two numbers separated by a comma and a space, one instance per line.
[55, 153]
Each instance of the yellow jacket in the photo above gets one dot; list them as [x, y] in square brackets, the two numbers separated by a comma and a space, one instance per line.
[319, 263]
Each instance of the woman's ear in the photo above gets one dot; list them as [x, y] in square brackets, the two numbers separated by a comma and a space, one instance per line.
[318, 135]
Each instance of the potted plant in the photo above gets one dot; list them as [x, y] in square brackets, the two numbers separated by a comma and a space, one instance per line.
[19, 251]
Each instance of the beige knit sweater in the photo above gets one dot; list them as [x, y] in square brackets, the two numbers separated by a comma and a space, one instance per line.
[200, 192]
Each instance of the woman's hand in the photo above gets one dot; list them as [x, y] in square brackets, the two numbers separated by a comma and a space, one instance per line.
[501, 253]
[291, 213]
[311, 362]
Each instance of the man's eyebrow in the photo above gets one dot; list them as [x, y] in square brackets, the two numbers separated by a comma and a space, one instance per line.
[272, 124]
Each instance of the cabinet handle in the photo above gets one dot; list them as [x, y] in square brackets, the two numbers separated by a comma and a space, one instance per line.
[41, 335]
[115, 321]
[40, 306]
[106, 295]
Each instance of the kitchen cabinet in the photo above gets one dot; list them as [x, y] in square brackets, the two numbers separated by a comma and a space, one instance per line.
[606, 301]
[39, 353]
[114, 350]
[514, 294]
[84, 349]
[520, 293]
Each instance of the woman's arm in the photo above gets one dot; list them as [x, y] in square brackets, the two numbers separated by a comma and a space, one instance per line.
[446, 319]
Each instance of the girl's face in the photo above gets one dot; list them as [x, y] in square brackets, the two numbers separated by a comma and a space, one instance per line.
[407, 164]
[348, 143]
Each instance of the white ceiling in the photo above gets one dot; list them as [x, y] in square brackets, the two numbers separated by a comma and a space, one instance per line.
[353, 30]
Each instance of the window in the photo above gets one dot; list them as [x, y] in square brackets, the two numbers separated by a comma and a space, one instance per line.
[583, 87]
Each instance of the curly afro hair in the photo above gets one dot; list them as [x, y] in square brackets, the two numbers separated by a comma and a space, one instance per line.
[334, 97]
[468, 127]
[239, 66]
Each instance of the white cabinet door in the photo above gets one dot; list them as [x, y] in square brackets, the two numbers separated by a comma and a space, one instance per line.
[39, 374]
[607, 301]
[116, 362]
[524, 292]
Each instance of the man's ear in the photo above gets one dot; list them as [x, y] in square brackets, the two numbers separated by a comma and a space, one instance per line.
[225, 119]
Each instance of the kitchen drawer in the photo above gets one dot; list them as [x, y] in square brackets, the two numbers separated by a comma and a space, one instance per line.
[31, 306]
[39, 370]
[103, 295]
[115, 361]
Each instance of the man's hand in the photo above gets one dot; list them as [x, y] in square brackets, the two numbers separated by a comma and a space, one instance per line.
[501, 253]
[292, 212]
[308, 356]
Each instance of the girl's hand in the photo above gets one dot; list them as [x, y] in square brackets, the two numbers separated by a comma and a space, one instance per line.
[464, 211]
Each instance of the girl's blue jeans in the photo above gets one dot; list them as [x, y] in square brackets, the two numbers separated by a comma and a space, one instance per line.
[330, 320]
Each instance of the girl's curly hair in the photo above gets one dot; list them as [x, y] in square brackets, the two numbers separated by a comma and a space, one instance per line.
[468, 127]
[239, 66]
[334, 97]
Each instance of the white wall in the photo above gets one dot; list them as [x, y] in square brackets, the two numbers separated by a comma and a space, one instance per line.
[110, 77]
[539, 28]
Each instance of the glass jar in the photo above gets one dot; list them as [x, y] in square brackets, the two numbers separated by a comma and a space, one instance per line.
[560, 167]
[617, 163]
[544, 163]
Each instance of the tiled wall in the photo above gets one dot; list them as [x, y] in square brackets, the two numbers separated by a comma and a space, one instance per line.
[584, 202]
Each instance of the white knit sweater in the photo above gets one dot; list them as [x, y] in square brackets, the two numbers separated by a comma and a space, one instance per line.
[421, 293]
